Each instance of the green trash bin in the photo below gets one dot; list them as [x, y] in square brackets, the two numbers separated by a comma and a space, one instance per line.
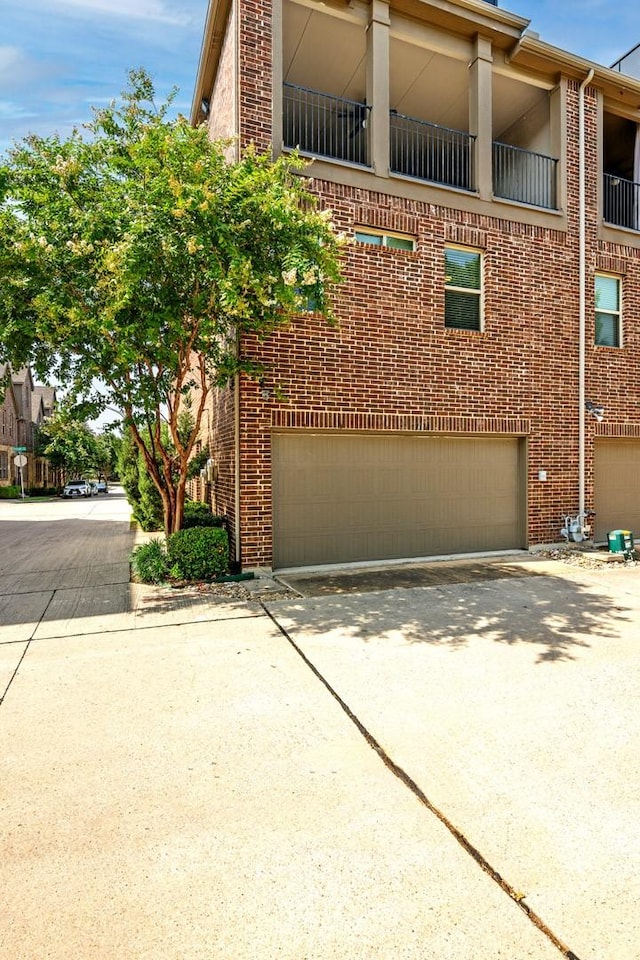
[621, 541]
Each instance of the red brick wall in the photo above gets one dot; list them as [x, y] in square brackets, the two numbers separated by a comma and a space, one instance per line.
[222, 112]
[391, 364]
[255, 73]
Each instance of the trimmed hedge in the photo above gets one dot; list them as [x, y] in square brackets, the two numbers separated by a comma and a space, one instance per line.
[198, 514]
[198, 553]
[42, 491]
[9, 493]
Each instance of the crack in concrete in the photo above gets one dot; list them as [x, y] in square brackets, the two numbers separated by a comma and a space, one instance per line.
[26, 649]
[408, 781]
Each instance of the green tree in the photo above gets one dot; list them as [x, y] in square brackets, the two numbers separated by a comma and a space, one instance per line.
[69, 444]
[108, 445]
[136, 257]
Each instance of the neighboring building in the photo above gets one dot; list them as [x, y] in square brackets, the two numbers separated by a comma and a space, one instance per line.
[43, 403]
[23, 409]
[8, 432]
[491, 184]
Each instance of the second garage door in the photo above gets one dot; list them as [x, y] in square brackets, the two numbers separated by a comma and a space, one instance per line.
[616, 487]
[349, 497]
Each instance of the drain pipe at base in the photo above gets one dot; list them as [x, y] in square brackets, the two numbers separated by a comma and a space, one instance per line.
[583, 287]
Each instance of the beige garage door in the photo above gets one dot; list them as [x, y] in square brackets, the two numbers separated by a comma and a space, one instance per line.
[616, 487]
[348, 497]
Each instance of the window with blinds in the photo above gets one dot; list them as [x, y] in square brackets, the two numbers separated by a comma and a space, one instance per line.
[463, 289]
[608, 311]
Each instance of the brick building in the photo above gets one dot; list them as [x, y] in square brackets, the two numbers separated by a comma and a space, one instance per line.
[9, 421]
[491, 184]
[24, 406]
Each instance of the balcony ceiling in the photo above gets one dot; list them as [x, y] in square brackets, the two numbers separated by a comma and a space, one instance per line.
[324, 53]
[429, 86]
[327, 53]
[513, 102]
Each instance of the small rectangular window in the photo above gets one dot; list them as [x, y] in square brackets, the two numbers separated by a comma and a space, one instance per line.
[608, 311]
[463, 289]
[395, 241]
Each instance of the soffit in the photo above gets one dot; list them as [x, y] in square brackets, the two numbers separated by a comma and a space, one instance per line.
[213, 38]
[467, 18]
[533, 54]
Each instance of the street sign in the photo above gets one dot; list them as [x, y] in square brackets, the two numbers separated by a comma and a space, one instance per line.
[20, 460]
[19, 449]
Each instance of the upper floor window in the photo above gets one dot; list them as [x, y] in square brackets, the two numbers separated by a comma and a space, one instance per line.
[608, 310]
[463, 288]
[397, 241]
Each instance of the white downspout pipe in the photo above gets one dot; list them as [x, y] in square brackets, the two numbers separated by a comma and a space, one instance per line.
[236, 464]
[583, 289]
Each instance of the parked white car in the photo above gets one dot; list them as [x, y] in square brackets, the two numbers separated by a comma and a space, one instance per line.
[77, 488]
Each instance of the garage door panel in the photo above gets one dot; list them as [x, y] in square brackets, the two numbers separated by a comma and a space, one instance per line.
[341, 497]
[616, 487]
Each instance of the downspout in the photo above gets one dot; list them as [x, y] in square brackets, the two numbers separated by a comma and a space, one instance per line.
[236, 445]
[583, 288]
[236, 386]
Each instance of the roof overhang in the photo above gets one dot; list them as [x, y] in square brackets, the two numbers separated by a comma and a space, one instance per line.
[213, 38]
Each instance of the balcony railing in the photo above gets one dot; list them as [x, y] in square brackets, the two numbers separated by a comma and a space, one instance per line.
[621, 202]
[524, 176]
[428, 151]
[324, 125]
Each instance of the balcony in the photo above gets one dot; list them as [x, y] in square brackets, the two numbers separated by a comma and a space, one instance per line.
[621, 202]
[524, 176]
[337, 128]
[428, 151]
[325, 126]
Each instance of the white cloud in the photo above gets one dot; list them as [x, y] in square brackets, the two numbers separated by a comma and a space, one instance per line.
[9, 57]
[14, 111]
[153, 10]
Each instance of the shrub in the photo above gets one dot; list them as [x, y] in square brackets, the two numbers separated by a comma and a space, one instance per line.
[198, 514]
[198, 553]
[9, 493]
[140, 489]
[149, 562]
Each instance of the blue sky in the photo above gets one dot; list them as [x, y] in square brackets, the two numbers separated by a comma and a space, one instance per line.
[599, 30]
[60, 57]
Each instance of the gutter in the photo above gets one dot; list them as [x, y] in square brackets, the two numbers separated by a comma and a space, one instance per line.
[582, 296]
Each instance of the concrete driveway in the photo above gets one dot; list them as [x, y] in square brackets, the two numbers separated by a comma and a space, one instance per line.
[511, 705]
[181, 780]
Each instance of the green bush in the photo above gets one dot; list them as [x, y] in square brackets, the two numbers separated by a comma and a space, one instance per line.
[9, 493]
[198, 514]
[149, 562]
[42, 491]
[198, 553]
[140, 489]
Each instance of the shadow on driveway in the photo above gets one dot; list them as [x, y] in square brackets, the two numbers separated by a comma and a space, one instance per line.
[504, 603]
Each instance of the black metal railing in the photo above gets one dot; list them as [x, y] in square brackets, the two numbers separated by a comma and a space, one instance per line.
[428, 151]
[621, 202]
[325, 126]
[524, 176]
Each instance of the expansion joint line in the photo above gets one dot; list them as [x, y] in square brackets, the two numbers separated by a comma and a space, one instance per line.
[404, 777]
[26, 649]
